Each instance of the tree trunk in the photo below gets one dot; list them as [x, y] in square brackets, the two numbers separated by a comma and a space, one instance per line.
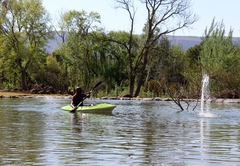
[141, 75]
[14, 79]
[88, 68]
[23, 80]
[139, 84]
[132, 78]
[66, 79]
[149, 69]
[89, 77]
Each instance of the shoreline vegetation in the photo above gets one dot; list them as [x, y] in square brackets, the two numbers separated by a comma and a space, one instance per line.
[18, 94]
[141, 66]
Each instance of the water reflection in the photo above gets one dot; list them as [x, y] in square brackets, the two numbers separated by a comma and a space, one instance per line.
[38, 132]
[77, 122]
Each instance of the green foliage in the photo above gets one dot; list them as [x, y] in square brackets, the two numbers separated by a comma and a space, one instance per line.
[192, 68]
[161, 56]
[52, 65]
[115, 58]
[193, 56]
[77, 51]
[87, 55]
[24, 28]
[216, 48]
[220, 59]
[51, 73]
[167, 68]
[152, 86]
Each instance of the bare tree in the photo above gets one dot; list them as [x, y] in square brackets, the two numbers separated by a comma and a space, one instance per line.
[166, 15]
[128, 5]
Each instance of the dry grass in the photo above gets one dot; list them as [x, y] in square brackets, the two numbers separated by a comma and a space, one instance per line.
[5, 92]
[12, 93]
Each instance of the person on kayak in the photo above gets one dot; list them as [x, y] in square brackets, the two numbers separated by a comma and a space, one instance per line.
[78, 97]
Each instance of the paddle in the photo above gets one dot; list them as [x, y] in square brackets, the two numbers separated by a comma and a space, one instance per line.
[73, 110]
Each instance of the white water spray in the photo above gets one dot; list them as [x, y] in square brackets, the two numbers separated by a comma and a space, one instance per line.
[205, 98]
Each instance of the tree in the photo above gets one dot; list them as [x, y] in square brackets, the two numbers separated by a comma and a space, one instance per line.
[78, 47]
[158, 65]
[113, 51]
[24, 26]
[7, 65]
[193, 68]
[129, 44]
[168, 15]
[129, 7]
[62, 32]
[219, 58]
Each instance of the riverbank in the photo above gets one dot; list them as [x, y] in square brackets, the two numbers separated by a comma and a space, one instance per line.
[4, 94]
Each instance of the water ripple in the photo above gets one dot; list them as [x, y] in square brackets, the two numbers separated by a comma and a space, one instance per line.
[37, 132]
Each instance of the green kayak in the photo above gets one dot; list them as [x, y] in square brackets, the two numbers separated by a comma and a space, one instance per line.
[99, 108]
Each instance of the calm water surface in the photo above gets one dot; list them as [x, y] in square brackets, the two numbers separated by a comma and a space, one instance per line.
[38, 132]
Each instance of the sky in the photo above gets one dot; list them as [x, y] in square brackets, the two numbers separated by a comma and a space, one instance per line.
[118, 19]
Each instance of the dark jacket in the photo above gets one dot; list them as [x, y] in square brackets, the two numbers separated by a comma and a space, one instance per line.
[76, 99]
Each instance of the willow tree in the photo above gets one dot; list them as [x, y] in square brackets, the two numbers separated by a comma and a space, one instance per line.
[81, 27]
[116, 50]
[167, 15]
[24, 26]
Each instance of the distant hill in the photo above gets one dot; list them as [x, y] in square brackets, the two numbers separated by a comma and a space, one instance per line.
[53, 44]
[185, 41]
[190, 41]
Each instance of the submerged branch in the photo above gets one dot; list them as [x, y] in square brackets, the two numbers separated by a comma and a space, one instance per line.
[176, 101]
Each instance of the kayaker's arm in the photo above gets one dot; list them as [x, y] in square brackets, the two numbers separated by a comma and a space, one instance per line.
[72, 104]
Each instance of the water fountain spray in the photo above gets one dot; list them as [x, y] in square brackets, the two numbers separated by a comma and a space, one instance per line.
[205, 94]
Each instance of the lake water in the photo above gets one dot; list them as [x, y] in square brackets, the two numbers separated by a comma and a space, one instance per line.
[37, 132]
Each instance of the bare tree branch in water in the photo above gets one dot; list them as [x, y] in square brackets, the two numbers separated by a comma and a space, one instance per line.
[170, 76]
